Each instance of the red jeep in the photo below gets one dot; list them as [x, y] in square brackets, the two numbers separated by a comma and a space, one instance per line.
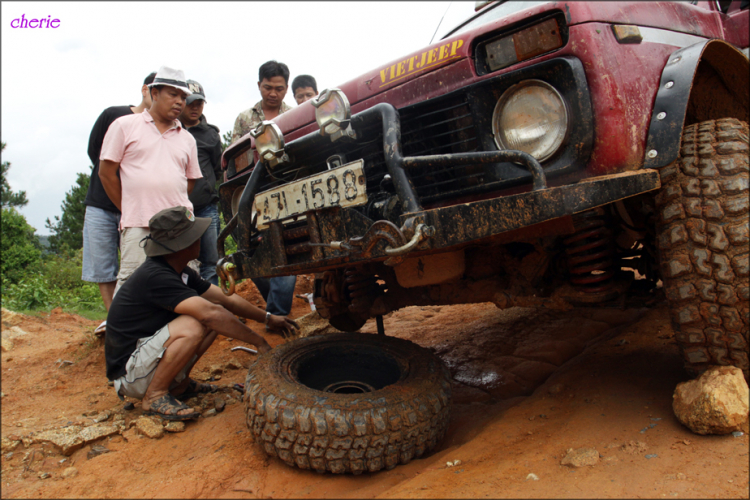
[540, 154]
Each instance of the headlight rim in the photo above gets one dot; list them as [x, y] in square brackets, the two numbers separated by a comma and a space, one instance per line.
[259, 130]
[511, 91]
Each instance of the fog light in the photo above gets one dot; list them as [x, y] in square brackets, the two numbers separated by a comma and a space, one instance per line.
[333, 114]
[269, 142]
[531, 117]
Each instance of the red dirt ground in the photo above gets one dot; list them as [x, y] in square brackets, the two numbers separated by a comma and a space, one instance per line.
[529, 384]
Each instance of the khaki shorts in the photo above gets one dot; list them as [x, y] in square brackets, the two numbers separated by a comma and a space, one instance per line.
[131, 253]
[140, 368]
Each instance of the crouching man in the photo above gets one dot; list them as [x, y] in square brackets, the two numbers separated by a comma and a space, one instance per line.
[166, 316]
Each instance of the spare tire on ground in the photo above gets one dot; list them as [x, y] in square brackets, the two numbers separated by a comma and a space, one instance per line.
[348, 402]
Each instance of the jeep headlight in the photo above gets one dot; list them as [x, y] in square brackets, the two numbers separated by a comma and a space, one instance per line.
[269, 141]
[333, 114]
[531, 117]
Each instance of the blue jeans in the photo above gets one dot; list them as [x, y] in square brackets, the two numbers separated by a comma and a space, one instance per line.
[278, 293]
[209, 254]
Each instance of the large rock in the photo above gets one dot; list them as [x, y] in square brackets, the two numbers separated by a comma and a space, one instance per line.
[66, 439]
[10, 318]
[70, 439]
[6, 344]
[149, 427]
[581, 457]
[714, 403]
[313, 324]
[9, 444]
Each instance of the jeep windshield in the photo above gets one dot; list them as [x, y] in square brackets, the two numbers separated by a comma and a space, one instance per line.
[460, 16]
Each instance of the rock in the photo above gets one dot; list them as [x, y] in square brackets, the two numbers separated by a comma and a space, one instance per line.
[149, 427]
[533, 477]
[192, 402]
[97, 431]
[96, 450]
[13, 332]
[714, 403]
[175, 426]
[9, 444]
[209, 413]
[10, 318]
[652, 455]
[130, 435]
[66, 439]
[634, 447]
[233, 364]
[69, 472]
[6, 344]
[216, 370]
[219, 405]
[313, 324]
[581, 457]
[103, 416]
[231, 401]
[72, 438]
[44, 475]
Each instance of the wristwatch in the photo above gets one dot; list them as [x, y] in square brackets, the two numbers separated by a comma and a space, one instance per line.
[268, 315]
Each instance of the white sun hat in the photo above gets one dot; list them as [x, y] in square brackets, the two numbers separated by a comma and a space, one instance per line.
[172, 77]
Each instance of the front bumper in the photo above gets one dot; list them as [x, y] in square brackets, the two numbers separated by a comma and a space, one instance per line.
[280, 251]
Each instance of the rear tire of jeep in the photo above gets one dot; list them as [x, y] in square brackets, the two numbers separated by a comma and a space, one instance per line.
[702, 237]
[348, 402]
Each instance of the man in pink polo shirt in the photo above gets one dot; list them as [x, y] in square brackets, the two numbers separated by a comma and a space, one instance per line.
[157, 161]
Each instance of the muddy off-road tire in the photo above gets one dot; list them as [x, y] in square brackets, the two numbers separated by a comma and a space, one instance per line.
[348, 402]
[702, 232]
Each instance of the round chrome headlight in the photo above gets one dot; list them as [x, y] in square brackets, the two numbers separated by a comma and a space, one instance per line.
[332, 111]
[531, 117]
[269, 141]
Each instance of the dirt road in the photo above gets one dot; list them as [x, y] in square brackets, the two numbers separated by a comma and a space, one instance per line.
[529, 385]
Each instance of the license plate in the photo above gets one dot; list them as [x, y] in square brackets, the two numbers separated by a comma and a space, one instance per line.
[342, 186]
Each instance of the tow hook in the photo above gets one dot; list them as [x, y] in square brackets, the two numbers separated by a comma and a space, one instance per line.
[423, 231]
[226, 271]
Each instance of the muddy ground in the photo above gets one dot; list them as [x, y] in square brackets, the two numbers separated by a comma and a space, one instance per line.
[528, 385]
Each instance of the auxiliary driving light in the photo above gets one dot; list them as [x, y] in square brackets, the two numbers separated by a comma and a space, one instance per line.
[532, 117]
[333, 114]
[269, 142]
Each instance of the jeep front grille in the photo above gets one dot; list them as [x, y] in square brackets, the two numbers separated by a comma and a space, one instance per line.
[437, 126]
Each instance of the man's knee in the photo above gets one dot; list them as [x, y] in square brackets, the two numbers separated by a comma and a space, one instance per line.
[187, 327]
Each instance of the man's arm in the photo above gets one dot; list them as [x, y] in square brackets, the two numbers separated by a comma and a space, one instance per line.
[244, 309]
[111, 181]
[214, 317]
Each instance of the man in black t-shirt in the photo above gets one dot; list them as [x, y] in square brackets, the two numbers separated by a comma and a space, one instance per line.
[165, 317]
[101, 232]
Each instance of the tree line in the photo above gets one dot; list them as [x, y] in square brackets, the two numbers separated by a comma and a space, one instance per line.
[34, 276]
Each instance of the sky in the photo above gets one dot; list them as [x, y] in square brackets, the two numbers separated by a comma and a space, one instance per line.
[56, 82]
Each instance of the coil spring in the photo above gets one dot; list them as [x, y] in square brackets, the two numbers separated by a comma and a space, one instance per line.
[591, 254]
[361, 288]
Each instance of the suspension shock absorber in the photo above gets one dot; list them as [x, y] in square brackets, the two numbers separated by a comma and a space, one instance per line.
[362, 289]
[591, 253]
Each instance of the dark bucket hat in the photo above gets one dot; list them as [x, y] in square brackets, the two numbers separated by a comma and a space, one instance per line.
[173, 229]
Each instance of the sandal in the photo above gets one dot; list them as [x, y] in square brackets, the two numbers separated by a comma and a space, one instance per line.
[196, 388]
[167, 407]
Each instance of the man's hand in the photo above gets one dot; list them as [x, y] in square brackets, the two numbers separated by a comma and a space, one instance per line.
[286, 325]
